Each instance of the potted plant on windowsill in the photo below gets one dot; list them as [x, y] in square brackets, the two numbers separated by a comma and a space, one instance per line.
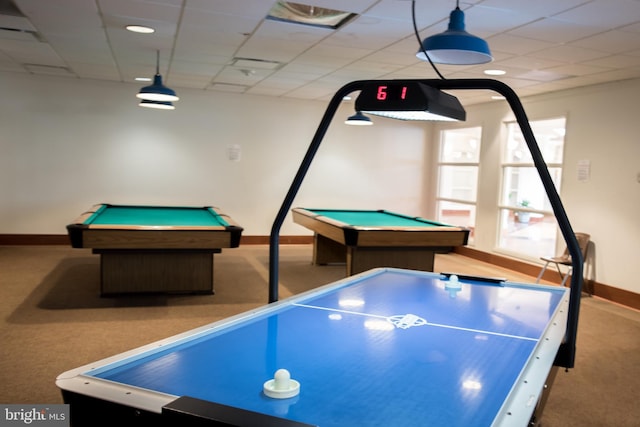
[522, 216]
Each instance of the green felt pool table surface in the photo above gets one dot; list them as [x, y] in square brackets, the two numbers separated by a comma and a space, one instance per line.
[375, 218]
[156, 216]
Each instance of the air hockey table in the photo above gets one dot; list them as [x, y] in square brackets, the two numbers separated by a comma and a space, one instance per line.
[387, 347]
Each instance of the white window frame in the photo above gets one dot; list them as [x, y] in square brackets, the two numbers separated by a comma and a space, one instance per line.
[470, 202]
[537, 243]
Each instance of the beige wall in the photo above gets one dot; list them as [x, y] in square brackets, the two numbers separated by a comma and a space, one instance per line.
[67, 144]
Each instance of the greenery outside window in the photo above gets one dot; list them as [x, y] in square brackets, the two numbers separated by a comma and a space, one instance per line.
[527, 225]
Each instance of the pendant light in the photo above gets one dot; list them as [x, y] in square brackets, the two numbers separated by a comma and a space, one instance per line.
[358, 119]
[157, 91]
[455, 46]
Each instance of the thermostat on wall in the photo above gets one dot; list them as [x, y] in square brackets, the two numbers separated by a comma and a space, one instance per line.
[234, 153]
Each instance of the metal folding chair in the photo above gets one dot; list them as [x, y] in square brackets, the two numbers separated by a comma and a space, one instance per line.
[565, 258]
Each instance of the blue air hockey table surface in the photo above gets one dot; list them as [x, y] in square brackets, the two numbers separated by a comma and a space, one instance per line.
[387, 347]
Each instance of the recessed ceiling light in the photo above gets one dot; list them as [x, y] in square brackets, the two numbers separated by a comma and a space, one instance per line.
[143, 79]
[495, 72]
[497, 97]
[140, 29]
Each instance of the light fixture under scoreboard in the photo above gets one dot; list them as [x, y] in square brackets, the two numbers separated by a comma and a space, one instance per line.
[408, 100]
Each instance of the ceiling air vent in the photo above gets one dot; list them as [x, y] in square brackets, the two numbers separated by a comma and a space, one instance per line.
[14, 25]
[314, 16]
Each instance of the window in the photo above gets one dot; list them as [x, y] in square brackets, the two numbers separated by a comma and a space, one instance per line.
[527, 224]
[458, 177]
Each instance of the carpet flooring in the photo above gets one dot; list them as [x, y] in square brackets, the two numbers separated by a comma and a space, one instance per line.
[53, 319]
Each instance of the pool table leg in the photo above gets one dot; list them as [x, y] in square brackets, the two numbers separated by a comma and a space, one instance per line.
[361, 259]
[327, 251]
[159, 271]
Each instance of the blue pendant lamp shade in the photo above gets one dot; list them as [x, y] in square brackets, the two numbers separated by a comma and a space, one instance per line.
[358, 119]
[157, 91]
[455, 46]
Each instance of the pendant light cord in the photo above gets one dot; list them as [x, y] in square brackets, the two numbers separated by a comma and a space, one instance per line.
[157, 62]
[415, 30]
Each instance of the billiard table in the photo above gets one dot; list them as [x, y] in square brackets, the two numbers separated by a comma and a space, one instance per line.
[154, 248]
[367, 239]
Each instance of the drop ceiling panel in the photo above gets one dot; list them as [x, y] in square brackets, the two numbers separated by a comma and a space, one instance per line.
[484, 22]
[150, 12]
[97, 71]
[49, 70]
[189, 80]
[247, 8]
[366, 67]
[277, 85]
[608, 76]
[634, 28]
[286, 31]
[512, 44]
[354, 6]
[48, 13]
[529, 63]
[397, 10]
[199, 21]
[273, 50]
[11, 66]
[431, 16]
[555, 30]
[611, 41]
[241, 76]
[303, 70]
[122, 40]
[196, 49]
[370, 33]
[604, 13]
[266, 91]
[578, 69]
[593, 40]
[349, 53]
[566, 53]
[617, 61]
[23, 36]
[534, 8]
[407, 46]
[195, 68]
[30, 52]
[345, 75]
[16, 22]
[314, 90]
